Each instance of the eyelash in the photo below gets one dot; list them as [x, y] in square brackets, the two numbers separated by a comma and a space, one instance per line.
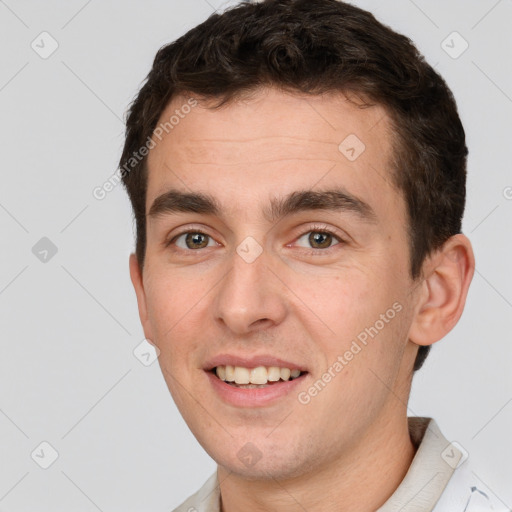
[313, 229]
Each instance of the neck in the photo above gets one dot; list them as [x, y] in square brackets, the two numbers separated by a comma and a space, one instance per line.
[361, 480]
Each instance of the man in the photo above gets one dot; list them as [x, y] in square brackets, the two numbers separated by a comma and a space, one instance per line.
[297, 173]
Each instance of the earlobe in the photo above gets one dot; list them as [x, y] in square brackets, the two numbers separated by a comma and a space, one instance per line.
[448, 274]
[138, 285]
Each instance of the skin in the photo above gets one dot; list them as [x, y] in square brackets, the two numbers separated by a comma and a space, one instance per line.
[295, 300]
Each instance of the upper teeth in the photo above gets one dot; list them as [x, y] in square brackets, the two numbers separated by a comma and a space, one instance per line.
[259, 375]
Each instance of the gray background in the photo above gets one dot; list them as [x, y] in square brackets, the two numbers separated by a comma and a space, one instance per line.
[69, 325]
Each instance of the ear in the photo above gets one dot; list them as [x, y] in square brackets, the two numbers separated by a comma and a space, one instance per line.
[138, 285]
[447, 276]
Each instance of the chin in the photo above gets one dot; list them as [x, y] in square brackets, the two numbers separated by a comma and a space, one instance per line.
[259, 461]
[264, 470]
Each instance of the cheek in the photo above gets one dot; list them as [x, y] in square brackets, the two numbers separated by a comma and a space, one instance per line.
[365, 367]
[170, 294]
[172, 309]
[172, 303]
[365, 315]
[349, 302]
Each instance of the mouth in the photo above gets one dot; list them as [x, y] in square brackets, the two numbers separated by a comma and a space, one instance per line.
[254, 378]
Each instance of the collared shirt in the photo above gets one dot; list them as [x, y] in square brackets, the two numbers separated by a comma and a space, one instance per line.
[439, 479]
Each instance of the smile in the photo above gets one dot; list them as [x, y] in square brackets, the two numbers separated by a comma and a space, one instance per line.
[260, 376]
[249, 381]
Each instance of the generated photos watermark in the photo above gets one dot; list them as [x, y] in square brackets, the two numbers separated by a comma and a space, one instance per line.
[304, 397]
[100, 192]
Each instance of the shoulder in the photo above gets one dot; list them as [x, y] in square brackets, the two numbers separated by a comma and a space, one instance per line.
[466, 492]
[206, 499]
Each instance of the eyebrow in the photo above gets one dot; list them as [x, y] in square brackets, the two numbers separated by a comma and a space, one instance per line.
[336, 200]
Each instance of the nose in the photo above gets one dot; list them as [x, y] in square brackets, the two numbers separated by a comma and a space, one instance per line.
[250, 296]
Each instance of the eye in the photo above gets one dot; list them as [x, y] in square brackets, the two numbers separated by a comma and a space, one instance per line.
[320, 239]
[192, 240]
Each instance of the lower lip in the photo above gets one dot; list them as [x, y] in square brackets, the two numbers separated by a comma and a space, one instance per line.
[253, 397]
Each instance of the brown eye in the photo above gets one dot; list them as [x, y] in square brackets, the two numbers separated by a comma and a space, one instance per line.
[319, 239]
[196, 240]
[192, 240]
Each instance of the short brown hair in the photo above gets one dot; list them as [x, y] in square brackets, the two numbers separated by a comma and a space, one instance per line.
[313, 47]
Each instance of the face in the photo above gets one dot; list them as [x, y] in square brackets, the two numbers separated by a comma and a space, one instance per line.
[286, 267]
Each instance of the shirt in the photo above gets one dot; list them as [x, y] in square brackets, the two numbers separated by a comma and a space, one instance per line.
[439, 479]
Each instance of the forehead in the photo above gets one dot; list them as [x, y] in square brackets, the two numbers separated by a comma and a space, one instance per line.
[271, 144]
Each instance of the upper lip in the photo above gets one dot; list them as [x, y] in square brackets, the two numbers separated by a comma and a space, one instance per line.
[251, 362]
